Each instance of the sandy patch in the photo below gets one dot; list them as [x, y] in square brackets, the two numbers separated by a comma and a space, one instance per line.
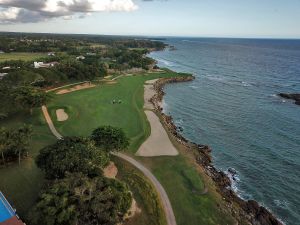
[108, 77]
[110, 82]
[151, 81]
[61, 115]
[110, 171]
[75, 88]
[158, 144]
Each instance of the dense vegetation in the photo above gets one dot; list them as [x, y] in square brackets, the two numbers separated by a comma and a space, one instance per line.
[14, 143]
[76, 192]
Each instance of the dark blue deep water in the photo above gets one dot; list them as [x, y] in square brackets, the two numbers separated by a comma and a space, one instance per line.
[233, 107]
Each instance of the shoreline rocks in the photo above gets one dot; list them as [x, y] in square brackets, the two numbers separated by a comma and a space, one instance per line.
[295, 97]
[245, 212]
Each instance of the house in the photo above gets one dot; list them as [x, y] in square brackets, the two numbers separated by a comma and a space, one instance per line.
[6, 68]
[51, 54]
[8, 214]
[44, 65]
[81, 57]
[3, 75]
[90, 53]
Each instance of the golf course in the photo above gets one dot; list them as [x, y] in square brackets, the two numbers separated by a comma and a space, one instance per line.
[119, 104]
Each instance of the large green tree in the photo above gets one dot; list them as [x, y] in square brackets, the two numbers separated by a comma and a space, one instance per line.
[80, 200]
[110, 138]
[72, 154]
[15, 142]
[29, 97]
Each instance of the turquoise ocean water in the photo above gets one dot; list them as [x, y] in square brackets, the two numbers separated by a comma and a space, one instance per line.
[233, 107]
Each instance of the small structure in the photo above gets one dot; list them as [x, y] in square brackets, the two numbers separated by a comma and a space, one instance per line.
[91, 53]
[44, 65]
[6, 68]
[51, 54]
[8, 215]
[2, 52]
[2, 75]
[81, 57]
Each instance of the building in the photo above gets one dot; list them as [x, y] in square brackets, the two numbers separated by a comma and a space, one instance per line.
[2, 52]
[51, 54]
[6, 68]
[91, 53]
[44, 65]
[81, 57]
[8, 215]
[2, 75]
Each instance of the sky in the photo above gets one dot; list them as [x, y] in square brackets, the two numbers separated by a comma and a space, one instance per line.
[187, 18]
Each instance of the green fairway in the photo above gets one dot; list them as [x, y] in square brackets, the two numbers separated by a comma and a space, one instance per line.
[21, 183]
[91, 108]
[25, 56]
[88, 109]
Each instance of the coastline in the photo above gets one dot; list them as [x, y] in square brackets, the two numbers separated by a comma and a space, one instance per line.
[245, 212]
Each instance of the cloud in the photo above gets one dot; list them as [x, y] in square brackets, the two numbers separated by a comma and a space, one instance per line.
[23, 11]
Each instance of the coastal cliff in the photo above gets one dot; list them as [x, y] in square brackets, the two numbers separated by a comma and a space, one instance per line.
[245, 212]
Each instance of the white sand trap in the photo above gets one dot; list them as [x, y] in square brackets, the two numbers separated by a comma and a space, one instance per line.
[158, 144]
[76, 88]
[149, 92]
[61, 115]
[151, 81]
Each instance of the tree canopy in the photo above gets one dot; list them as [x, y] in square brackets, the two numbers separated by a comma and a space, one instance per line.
[110, 138]
[80, 200]
[29, 97]
[15, 142]
[72, 154]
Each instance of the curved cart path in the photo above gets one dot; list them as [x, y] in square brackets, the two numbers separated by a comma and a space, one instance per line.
[159, 188]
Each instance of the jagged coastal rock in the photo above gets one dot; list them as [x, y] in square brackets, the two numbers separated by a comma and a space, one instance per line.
[295, 97]
[246, 212]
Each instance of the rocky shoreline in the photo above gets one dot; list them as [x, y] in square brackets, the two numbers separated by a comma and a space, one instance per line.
[295, 97]
[245, 212]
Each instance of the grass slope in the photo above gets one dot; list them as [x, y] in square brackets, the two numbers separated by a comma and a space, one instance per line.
[21, 183]
[25, 56]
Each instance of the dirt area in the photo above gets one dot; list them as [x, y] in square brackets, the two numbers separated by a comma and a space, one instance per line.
[75, 88]
[110, 171]
[158, 144]
[61, 115]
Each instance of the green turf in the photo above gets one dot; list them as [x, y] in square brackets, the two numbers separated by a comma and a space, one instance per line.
[25, 56]
[91, 108]
[21, 183]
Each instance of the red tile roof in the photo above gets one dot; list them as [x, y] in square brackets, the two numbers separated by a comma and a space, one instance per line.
[12, 221]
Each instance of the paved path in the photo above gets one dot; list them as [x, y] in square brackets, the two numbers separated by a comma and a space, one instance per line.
[159, 188]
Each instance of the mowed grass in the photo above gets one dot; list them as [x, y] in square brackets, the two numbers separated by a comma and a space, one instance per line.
[22, 183]
[25, 56]
[91, 108]
[184, 184]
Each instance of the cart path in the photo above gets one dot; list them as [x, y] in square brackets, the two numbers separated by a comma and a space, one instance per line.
[159, 188]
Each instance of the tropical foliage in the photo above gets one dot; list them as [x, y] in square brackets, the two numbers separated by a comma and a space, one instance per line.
[110, 138]
[72, 154]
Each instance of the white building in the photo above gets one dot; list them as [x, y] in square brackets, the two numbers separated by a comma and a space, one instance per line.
[44, 65]
[81, 57]
[2, 52]
[51, 54]
[2, 75]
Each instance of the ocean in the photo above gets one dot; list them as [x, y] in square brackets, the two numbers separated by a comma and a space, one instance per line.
[233, 107]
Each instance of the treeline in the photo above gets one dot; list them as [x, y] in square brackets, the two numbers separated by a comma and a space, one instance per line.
[76, 192]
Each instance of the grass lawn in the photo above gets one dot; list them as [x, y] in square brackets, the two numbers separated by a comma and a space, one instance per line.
[25, 56]
[21, 183]
[91, 108]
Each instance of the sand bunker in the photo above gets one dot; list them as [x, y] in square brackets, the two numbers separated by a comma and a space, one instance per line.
[158, 144]
[75, 88]
[61, 115]
[149, 92]
[110, 171]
